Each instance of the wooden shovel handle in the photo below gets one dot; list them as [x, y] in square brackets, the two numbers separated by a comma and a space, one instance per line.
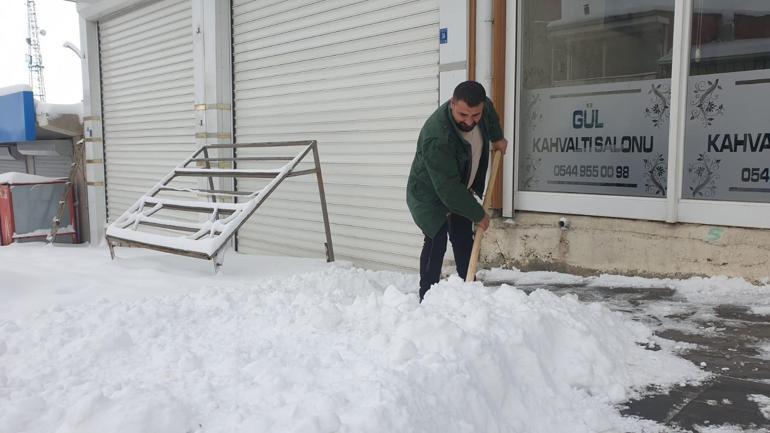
[474, 262]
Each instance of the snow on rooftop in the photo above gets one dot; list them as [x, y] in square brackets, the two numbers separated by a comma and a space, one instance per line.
[53, 111]
[156, 342]
[12, 178]
[14, 89]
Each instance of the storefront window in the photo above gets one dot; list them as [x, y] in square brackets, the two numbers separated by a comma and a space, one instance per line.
[595, 96]
[727, 135]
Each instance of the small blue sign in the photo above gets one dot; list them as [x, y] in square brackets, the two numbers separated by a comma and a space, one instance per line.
[442, 35]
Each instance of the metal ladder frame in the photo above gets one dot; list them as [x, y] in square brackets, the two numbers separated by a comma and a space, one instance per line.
[69, 190]
[119, 232]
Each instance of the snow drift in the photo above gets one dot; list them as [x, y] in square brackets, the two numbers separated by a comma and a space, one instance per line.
[336, 350]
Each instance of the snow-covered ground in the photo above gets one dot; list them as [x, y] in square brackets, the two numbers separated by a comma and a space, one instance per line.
[157, 343]
[763, 402]
[727, 429]
[714, 290]
[694, 298]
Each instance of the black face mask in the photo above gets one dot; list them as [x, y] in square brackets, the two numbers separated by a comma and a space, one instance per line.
[465, 128]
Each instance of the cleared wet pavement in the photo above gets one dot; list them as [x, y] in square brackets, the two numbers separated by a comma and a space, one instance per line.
[724, 340]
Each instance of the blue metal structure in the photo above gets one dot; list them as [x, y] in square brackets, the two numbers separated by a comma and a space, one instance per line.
[17, 117]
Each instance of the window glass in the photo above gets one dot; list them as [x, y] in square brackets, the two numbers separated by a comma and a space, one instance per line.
[727, 137]
[595, 96]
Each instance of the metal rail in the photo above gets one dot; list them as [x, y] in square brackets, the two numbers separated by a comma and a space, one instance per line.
[225, 219]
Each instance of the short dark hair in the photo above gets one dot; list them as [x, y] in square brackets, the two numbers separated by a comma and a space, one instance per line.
[470, 92]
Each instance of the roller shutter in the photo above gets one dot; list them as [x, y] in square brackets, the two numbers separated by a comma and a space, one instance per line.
[360, 77]
[148, 102]
[52, 166]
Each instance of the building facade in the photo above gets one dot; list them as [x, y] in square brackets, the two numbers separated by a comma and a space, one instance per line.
[638, 127]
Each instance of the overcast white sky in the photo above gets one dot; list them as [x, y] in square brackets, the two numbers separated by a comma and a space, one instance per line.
[59, 18]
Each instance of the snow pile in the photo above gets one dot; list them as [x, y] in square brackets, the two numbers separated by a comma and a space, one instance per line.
[35, 277]
[724, 290]
[710, 291]
[12, 178]
[338, 349]
[515, 276]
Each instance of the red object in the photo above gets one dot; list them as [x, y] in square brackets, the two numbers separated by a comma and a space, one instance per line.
[8, 215]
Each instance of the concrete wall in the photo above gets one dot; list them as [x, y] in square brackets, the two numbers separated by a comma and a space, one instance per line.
[593, 245]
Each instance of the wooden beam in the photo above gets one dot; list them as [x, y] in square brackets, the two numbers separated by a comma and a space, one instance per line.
[472, 40]
[498, 85]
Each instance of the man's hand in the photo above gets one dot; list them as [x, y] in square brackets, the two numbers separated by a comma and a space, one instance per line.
[484, 223]
[501, 145]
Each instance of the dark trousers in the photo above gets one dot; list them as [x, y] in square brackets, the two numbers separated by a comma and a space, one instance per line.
[460, 230]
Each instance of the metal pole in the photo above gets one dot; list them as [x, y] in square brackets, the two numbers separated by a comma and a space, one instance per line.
[680, 70]
[211, 179]
[322, 195]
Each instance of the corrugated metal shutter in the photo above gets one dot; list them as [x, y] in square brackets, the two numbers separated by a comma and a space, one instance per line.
[9, 163]
[52, 166]
[148, 100]
[8, 166]
[360, 77]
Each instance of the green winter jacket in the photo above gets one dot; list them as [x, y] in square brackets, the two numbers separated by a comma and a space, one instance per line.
[438, 180]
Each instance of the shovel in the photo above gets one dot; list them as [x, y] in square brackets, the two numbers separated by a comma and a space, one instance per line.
[474, 262]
